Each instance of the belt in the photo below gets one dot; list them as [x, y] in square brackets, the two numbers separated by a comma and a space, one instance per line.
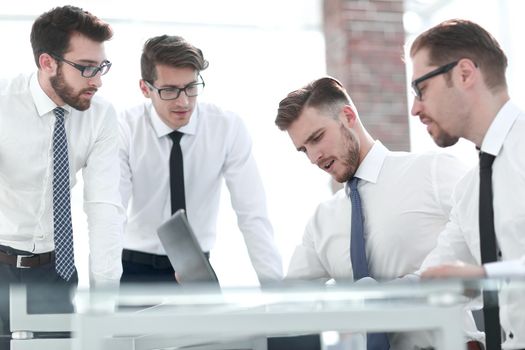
[27, 261]
[157, 261]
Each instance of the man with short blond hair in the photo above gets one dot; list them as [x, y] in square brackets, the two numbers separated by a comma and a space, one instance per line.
[393, 207]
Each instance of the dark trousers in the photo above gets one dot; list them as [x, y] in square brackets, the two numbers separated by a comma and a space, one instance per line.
[139, 267]
[47, 292]
[301, 342]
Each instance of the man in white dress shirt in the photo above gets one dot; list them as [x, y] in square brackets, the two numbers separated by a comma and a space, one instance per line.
[461, 91]
[215, 145]
[68, 47]
[405, 196]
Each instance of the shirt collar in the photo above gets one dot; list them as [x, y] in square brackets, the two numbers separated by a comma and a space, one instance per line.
[161, 129]
[499, 128]
[42, 102]
[371, 166]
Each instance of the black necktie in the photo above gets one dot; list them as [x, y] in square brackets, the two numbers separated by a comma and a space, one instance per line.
[488, 247]
[178, 200]
[374, 341]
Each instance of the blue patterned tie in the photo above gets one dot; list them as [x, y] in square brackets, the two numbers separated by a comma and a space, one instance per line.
[374, 341]
[63, 230]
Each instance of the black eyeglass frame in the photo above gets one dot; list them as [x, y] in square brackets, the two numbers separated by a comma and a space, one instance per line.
[176, 89]
[440, 70]
[103, 68]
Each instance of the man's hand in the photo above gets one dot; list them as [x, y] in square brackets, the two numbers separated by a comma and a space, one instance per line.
[458, 269]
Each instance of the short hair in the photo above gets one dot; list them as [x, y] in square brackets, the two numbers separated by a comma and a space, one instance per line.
[52, 31]
[455, 39]
[326, 94]
[173, 51]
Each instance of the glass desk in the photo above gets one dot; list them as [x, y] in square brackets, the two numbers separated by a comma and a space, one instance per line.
[181, 317]
[168, 317]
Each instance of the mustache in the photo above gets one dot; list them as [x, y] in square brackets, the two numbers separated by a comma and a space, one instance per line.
[423, 115]
[90, 90]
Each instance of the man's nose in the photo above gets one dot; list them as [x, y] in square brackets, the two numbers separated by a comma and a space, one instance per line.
[416, 107]
[182, 99]
[314, 155]
[95, 81]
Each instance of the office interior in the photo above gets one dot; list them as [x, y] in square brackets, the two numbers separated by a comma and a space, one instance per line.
[258, 51]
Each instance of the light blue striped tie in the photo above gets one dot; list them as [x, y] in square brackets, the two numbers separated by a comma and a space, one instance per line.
[374, 341]
[63, 230]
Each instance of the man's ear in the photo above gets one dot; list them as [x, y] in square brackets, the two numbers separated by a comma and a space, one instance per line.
[348, 116]
[144, 88]
[469, 72]
[47, 64]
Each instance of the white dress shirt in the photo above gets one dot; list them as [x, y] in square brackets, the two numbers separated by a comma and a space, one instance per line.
[406, 202]
[26, 173]
[215, 146]
[460, 240]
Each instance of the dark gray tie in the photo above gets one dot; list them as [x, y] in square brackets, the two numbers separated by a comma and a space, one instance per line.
[374, 341]
[488, 248]
[63, 230]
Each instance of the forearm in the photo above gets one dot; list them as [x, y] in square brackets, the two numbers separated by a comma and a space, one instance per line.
[105, 222]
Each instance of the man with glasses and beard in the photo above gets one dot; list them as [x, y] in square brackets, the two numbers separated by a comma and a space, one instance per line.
[388, 217]
[52, 126]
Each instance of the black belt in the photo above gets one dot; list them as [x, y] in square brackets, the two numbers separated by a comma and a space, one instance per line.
[157, 261]
[27, 261]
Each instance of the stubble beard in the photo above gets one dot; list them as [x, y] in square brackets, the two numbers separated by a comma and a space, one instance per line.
[350, 159]
[444, 139]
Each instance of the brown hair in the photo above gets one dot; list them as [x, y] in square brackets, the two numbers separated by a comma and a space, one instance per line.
[325, 94]
[51, 31]
[455, 39]
[172, 51]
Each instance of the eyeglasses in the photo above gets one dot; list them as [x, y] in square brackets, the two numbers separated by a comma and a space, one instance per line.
[86, 71]
[440, 70]
[172, 93]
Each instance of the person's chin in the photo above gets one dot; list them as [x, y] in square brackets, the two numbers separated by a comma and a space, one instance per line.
[340, 178]
[82, 106]
[445, 140]
[179, 123]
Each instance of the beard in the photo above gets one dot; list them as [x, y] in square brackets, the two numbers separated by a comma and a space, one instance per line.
[350, 158]
[444, 139]
[67, 93]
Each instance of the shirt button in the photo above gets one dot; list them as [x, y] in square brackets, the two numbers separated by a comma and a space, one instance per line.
[511, 335]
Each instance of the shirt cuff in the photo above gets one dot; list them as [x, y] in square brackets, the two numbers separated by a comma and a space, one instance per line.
[505, 268]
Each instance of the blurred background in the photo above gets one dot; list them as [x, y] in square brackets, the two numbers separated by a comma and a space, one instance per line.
[258, 52]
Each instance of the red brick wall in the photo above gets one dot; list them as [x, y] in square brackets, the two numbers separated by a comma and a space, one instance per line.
[364, 47]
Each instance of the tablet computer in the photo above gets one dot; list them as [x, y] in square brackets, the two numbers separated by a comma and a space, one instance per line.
[184, 251]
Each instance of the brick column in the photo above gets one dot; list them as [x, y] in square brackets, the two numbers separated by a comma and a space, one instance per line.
[364, 47]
